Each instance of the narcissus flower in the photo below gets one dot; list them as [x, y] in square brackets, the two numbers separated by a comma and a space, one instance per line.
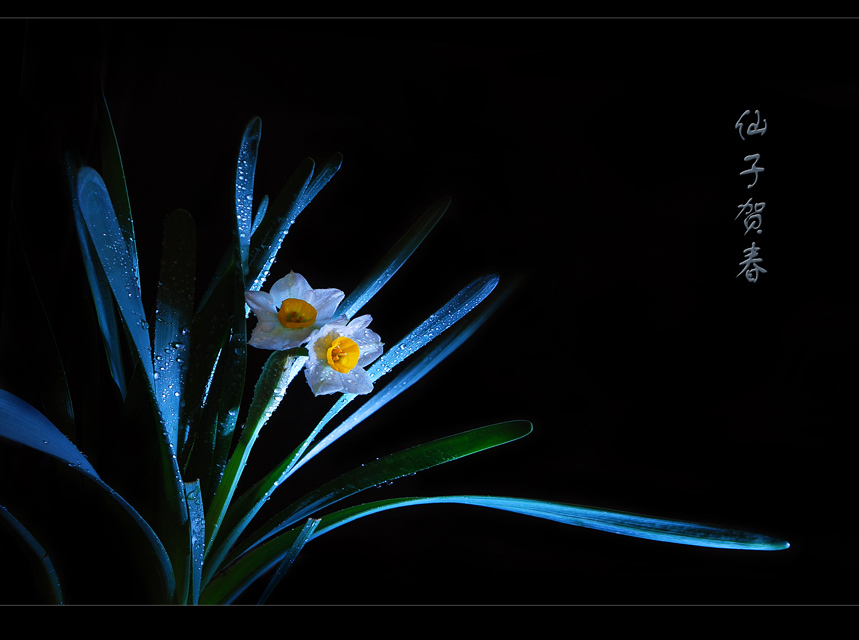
[290, 312]
[337, 354]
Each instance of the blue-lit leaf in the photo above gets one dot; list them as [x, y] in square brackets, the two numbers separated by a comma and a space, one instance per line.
[301, 188]
[114, 180]
[244, 509]
[48, 579]
[439, 322]
[99, 286]
[194, 500]
[393, 260]
[623, 523]
[212, 410]
[429, 358]
[43, 352]
[321, 178]
[303, 536]
[21, 423]
[245, 170]
[230, 583]
[260, 214]
[380, 471]
[117, 262]
[279, 370]
[173, 312]
[112, 249]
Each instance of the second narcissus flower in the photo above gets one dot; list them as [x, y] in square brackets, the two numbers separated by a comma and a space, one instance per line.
[337, 354]
[290, 312]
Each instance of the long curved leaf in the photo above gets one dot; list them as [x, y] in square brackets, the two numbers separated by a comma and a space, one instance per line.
[303, 537]
[98, 284]
[51, 382]
[114, 180]
[21, 423]
[245, 170]
[279, 370]
[117, 260]
[386, 469]
[173, 310]
[194, 500]
[235, 578]
[248, 504]
[48, 579]
[393, 260]
[434, 355]
[462, 303]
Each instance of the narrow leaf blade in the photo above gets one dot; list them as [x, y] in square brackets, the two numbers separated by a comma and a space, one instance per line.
[173, 313]
[21, 423]
[194, 500]
[48, 579]
[393, 260]
[114, 180]
[302, 539]
[245, 170]
[439, 322]
[386, 469]
[99, 286]
[619, 522]
[117, 261]
[235, 578]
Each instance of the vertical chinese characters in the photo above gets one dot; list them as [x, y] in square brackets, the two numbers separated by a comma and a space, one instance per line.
[752, 210]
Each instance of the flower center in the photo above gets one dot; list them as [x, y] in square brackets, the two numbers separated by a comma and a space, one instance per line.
[343, 354]
[296, 314]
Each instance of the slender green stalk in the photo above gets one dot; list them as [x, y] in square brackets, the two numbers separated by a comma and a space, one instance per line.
[278, 372]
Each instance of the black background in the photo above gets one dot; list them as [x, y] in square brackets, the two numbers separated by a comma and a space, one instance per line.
[594, 161]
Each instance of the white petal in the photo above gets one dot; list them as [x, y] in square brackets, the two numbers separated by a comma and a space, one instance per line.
[324, 380]
[292, 285]
[361, 322]
[325, 301]
[321, 378]
[261, 304]
[370, 349]
[273, 335]
[357, 381]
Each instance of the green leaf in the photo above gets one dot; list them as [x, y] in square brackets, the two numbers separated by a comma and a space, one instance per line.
[303, 536]
[21, 423]
[212, 411]
[279, 370]
[429, 358]
[216, 374]
[243, 510]
[48, 579]
[393, 260]
[372, 474]
[173, 312]
[439, 322]
[152, 478]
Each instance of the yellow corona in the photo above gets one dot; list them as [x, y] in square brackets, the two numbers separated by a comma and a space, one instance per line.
[343, 354]
[296, 314]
